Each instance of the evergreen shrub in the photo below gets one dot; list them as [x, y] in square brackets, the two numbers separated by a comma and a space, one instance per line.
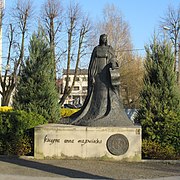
[36, 89]
[155, 150]
[159, 111]
[16, 132]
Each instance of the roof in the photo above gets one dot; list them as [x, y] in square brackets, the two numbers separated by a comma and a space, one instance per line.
[79, 72]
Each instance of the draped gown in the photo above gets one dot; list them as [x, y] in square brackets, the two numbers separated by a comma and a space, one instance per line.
[102, 106]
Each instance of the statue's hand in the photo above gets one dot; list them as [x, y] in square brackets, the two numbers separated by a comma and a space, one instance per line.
[113, 65]
[92, 81]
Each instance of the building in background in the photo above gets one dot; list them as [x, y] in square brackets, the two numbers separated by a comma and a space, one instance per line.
[79, 91]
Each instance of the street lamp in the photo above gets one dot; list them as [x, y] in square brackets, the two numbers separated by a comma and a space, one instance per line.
[166, 28]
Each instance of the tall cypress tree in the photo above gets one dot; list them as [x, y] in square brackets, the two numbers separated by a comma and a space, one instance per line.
[36, 90]
[159, 107]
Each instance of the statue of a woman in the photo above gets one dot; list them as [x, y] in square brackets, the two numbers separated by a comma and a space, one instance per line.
[102, 106]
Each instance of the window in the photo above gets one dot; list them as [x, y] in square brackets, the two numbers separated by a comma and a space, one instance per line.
[84, 78]
[76, 88]
[84, 88]
[68, 78]
[77, 79]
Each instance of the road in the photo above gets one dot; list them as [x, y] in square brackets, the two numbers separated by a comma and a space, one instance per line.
[27, 168]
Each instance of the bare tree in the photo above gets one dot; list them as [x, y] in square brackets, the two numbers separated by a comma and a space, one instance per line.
[1, 13]
[17, 31]
[77, 28]
[171, 24]
[1, 20]
[131, 81]
[114, 24]
[52, 23]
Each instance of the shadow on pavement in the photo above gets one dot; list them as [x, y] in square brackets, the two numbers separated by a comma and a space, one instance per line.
[50, 168]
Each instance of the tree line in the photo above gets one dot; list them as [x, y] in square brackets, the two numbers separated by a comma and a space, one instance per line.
[71, 34]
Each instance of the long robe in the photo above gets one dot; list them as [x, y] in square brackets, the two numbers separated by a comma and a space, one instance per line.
[102, 106]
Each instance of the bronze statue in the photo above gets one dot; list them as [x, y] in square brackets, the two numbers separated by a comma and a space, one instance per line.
[102, 106]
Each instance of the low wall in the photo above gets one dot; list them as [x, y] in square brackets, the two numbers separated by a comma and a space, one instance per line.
[67, 141]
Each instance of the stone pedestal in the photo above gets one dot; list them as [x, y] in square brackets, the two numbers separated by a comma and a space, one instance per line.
[68, 141]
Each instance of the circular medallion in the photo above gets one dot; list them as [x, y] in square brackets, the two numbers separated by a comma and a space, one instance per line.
[117, 144]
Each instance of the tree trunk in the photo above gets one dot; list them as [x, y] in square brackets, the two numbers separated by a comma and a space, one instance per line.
[63, 98]
[6, 99]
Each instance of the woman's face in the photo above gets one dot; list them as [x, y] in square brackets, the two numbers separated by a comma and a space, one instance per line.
[104, 39]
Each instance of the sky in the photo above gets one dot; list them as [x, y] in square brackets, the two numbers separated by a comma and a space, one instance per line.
[143, 16]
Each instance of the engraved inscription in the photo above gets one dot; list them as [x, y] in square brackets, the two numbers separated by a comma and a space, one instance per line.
[117, 144]
[85, 141]
[69, 141]
[51, 140]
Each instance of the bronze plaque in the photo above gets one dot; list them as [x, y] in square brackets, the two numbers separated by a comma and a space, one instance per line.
[117, 144]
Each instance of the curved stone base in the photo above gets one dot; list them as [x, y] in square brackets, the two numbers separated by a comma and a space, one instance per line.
[68, 141]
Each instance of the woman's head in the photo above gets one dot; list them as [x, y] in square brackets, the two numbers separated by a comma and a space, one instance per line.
[103, 39]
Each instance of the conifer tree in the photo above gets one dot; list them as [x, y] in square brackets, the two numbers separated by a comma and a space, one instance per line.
[36, 90]
[159, 107]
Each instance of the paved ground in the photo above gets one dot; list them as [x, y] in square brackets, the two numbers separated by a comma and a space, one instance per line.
[12, 168]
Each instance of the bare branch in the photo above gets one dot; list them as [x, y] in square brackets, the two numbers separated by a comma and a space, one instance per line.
[21, 14]
[52, 22]
[170, 25]
[78, 27]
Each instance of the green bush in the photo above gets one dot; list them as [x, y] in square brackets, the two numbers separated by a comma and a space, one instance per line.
[154, 150]
[16, 132]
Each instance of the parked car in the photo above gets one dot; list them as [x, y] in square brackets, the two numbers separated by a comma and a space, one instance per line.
[78, 106]
[71, 106]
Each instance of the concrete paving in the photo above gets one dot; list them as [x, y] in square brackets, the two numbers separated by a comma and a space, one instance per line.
[17, 177]
[25, 168]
